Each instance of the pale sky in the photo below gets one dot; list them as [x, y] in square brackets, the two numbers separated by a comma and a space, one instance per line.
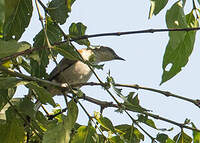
[143, 65]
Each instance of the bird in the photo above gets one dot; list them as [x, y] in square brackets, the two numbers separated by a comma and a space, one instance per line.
[76, 71]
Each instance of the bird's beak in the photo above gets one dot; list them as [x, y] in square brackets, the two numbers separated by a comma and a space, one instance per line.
[119, 58]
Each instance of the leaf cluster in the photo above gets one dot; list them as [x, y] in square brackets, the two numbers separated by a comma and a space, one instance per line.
[20, 121]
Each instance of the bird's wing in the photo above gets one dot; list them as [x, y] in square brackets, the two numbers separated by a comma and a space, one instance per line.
[63, 64]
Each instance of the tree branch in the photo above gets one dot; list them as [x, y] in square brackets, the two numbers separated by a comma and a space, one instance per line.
[104, 104]
[137, 87]
[29, 51]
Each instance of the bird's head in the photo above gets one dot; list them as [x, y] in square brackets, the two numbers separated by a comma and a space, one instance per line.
[103, 54]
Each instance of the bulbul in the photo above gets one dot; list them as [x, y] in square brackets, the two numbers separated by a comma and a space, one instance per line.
[75, 72]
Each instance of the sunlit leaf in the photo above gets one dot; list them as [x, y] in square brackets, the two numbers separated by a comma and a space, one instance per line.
[182, 138]
[10, 47]
[85, 134]
[180, 45]
[60, 132]
[196, 135]
[116, 139]
[17, 17]
[77, 30]
[105, 123]
[129, 133]
[157, 6]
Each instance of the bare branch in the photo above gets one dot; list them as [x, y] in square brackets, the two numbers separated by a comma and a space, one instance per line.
[137, 87]
[29, 51]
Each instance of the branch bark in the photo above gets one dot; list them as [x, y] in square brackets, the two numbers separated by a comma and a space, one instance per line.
[29, 51]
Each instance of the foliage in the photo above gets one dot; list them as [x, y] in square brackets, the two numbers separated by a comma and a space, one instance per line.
[20, 121]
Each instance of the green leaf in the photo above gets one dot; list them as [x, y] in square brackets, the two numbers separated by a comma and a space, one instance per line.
[85, 134]
[68, 51]
[43, 95]
[42, 120]
[105, 123]
[163, 138]
[132, 103]
[149, 122]
[196, 135]
[9, 82]
[26, 106]
[2, 14]
[156, 7]
[182, 138]
[5, 96]
[59, 10]
[13, 130]
[25, 65]
[10, 47]
[77, 30]
[130, 133]
[42, 56]
[17, 18]
[60, 132]
[53, 33]
[180, 45]
[116, 139]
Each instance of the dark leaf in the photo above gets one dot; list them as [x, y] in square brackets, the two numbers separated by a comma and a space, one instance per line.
[9, 82]
[59, 10]
[68, 51]
[17, 17]
[43, 95]
[2, 15]
[132, 103]
[26, 107]
[147, 121]
[163, 138]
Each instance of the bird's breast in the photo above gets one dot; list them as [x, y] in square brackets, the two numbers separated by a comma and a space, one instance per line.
[77, 73]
